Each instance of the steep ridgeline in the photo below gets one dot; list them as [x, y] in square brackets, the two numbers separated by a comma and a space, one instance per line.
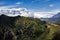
[55, 18]
[24, 28]
[20, 28]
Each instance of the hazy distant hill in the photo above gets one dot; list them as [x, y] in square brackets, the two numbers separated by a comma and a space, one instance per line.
[55, 18]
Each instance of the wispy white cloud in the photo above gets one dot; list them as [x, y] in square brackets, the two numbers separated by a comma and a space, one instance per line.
[43, 14]
[18, 3]
[51, 5]
[26, 13]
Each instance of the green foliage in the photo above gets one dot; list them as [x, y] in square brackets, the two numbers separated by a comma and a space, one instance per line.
[31, 27]
[25, 28]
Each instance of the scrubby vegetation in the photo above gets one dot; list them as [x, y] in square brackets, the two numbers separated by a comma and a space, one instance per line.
[22, 28]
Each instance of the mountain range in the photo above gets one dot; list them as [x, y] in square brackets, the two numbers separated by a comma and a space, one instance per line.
[55, 18]
[28, 28]
[12, 12]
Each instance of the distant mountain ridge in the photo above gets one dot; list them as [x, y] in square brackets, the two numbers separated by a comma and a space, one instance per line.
[57, 15]
[13, 12]
[53, 19]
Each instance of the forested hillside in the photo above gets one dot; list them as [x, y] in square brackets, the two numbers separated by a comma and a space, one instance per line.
[26, 28]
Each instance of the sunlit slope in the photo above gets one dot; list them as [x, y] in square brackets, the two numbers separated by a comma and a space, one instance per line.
[27, 28]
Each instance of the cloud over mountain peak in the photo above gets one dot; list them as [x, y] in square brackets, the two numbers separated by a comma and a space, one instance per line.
[25, 12]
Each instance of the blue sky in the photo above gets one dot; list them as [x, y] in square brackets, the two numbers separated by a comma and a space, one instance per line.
[34, 5]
